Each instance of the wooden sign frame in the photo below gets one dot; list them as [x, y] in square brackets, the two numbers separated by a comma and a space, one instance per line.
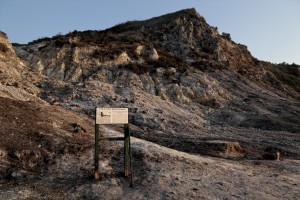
[113, 116]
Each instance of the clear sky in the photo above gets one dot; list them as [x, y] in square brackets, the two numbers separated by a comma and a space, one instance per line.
[270, 28]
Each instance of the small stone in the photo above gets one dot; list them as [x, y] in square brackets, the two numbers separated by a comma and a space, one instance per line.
[16, 174]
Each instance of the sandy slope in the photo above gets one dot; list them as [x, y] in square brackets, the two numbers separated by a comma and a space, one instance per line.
[160, 173]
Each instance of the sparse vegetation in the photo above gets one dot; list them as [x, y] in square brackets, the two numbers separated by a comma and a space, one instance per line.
[135, 25]
[291, 69]
[2, 34]
[106, 54]
[138, 68]
[42, 39]
[166, 61]
[3, 48]
[16, 44]
[226, 36]
[288, 74]
[60, 42]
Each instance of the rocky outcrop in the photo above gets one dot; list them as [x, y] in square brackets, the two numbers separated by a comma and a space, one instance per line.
[10, 66]
[176, 62]
[15, 77]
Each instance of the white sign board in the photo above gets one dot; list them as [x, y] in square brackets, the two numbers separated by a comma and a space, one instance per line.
[111, 115]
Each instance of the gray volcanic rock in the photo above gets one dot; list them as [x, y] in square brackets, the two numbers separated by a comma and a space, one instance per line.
[175, 63]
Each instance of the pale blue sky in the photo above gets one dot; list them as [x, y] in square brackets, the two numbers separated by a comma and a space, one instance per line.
[270, 28]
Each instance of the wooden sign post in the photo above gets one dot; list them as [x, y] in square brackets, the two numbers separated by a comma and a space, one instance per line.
[113, 116]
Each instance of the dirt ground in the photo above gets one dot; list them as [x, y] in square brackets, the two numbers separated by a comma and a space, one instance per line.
[159, 173]
[57, 162]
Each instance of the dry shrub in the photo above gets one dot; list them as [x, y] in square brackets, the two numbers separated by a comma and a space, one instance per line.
[138, 68]
[3, 48]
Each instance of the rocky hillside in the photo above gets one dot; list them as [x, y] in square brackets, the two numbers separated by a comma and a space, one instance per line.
[187, 88]
[176, 60]
[15, 77]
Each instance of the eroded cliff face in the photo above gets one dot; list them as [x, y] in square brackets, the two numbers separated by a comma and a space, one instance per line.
[156, 56]
[168, 69]
[139, 66]
[11, 66]
[16, 79]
